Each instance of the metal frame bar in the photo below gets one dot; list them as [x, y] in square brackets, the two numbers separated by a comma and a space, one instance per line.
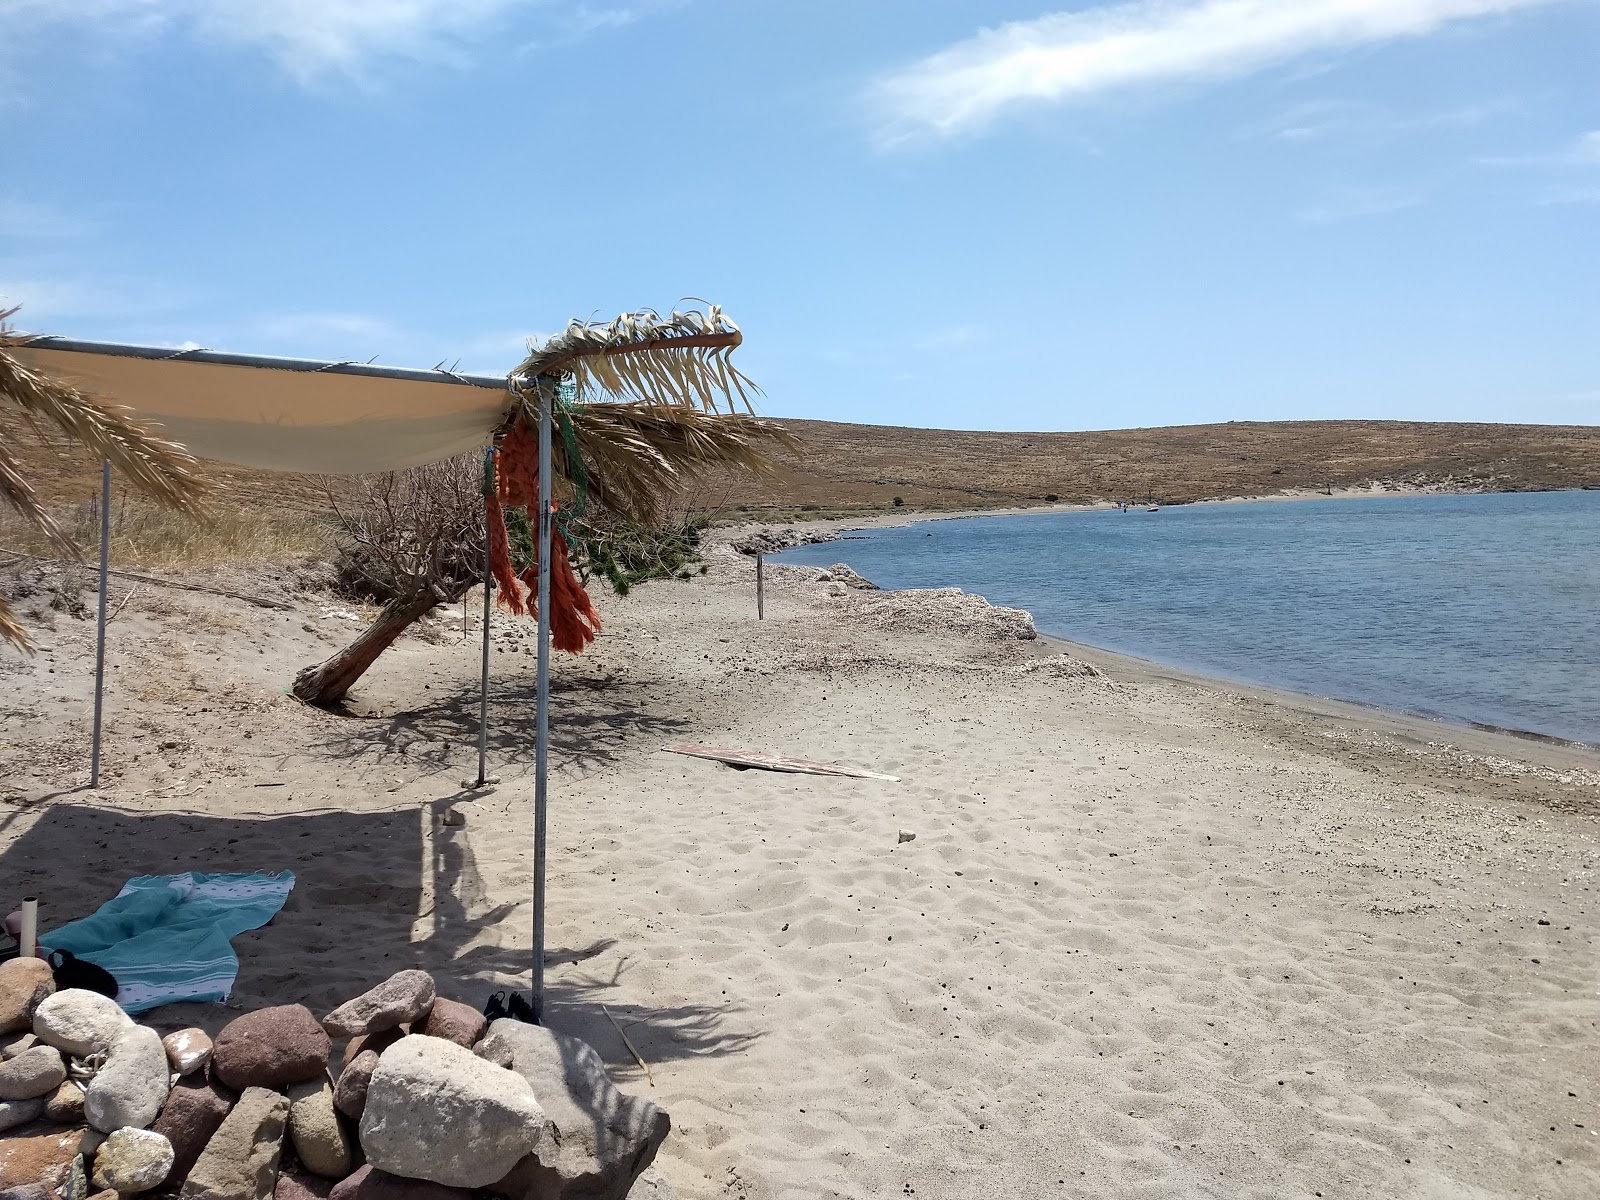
[100, 627]
[546, 388]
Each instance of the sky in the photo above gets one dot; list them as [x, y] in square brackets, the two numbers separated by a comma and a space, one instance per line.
[1003, 215]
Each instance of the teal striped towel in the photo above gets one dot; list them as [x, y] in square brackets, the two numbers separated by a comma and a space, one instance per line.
[166, 938]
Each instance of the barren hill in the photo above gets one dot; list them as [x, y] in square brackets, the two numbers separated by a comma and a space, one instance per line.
[856, 467]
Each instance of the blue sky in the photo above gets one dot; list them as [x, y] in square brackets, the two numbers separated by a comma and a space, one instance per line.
[1000, 215]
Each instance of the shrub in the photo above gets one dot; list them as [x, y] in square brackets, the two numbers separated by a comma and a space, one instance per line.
[1051, 498]
[899, 501]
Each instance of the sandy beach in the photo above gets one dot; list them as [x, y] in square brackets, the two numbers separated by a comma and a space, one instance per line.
[1154, 936]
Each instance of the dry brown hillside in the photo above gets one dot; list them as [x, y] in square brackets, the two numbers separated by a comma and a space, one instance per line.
[863, 467]
[866, 466]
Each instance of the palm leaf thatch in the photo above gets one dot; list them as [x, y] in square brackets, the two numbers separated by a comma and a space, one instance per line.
[679, 360]
[163, 470]
[635, 456]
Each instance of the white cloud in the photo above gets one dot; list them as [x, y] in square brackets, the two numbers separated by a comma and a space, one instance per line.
[45, 301]
[1354, 203]
[311, 39]
[1066, 55]
[1584, 151]
[320, 325]
[1325, 120]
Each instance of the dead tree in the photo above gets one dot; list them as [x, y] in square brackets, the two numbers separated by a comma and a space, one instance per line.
[413, 539]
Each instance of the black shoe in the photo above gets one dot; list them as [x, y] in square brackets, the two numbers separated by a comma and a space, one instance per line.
[73, 972]
[522, 1010]
[495, 1010]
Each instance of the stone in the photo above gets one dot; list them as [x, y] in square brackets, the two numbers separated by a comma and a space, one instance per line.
[27, 1191]
[80, 1022]
[188, 1050]
[296, 1185]
[271, 1047]
[241, 1160]
[132, 1160]
[379, 1041]
[454, 1022]
[130, 1089]
[403, 997]
[437, 1111]
[66, 1106]
[108, 1194]
[24, 984]
[93, 1139]
[192, 1113]
[16, 1045]
[20, 1112]
[602, 1139]
[315, 1129]
[42, 1155]
[350, 1093]
[35, 1072]
[369, 1183]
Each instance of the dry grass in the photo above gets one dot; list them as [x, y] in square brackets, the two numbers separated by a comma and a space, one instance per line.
[142, 536]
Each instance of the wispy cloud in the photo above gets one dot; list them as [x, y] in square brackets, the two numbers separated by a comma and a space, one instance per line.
[24, 219]
[313, 326]
[1583, 151]
[1062, 56]
[1355, 203]
[45, 301]
[1328, 120]
[314, 39]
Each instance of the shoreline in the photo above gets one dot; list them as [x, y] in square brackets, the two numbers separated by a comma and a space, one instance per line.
[1199, 676]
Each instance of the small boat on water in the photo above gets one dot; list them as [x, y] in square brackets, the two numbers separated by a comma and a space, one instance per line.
[1154, 508]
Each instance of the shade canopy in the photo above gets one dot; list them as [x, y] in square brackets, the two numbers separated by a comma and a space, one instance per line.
[333, 418]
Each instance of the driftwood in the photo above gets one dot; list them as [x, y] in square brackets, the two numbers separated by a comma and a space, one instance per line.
[766, 761]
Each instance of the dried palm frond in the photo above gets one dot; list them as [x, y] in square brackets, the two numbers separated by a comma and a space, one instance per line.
[680, 360]
[636, 456]
[163, 470]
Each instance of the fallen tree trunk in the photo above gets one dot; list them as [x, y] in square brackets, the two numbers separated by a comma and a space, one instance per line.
[326, 684]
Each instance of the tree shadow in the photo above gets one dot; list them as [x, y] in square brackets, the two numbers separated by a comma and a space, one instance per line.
[375, 892]
[593, 723]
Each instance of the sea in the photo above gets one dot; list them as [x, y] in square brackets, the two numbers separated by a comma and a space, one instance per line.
[1477, 609]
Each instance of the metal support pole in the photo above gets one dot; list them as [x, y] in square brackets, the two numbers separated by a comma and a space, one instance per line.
[541, 745]
[761, 587]
[100, 634]
[488, 584]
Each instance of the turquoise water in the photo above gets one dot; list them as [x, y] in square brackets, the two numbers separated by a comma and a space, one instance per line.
[1478, 609]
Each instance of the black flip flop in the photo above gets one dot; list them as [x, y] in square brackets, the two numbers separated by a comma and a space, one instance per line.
[522, 1010]
[73, 972]
[495, 1009]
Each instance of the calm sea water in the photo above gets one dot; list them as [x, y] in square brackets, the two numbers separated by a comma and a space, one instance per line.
[1473, 608]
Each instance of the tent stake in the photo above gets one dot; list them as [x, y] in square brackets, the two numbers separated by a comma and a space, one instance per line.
[546, 386]
[100, 634]
[488, 583]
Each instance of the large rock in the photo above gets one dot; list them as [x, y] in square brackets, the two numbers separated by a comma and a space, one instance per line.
[436, 1111]
[36, 1072]
[79, 1022]
[28, 1191]
[193, 1112]
[271, 1047]
[603, 1138]
[187, 1050]
[130, 1089]
[20, 1112]
[454, 1022]
[314, 1128]
[379, 1040]
[24, 982]
[369, 1183]
[241, 1160]
[132, 1160]
[297, 1185]
[350, 1093]
[404, 996]
[65, 1107]
[15, 1044]
[41, 1155]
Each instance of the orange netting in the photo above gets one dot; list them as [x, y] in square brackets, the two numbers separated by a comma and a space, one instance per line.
[573, 619]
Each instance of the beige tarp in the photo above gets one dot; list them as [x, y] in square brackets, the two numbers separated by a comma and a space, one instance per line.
[331, 421]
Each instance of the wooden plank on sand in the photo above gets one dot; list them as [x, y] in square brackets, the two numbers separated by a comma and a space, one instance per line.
[776, 762]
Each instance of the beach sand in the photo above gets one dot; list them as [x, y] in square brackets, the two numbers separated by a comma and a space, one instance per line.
[1155, 936]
